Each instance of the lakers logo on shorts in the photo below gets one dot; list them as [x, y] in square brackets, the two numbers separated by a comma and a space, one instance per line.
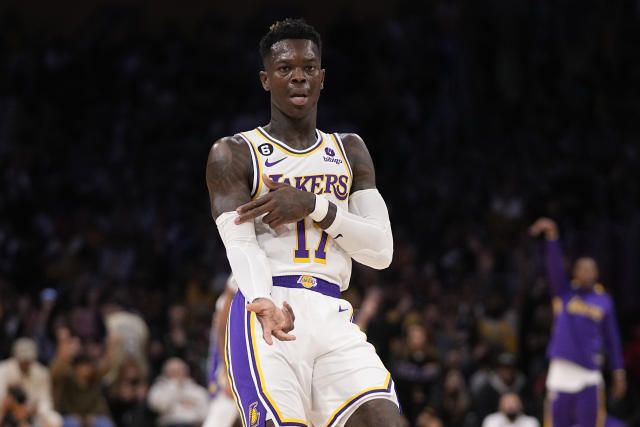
[254, 415]
[308, 281]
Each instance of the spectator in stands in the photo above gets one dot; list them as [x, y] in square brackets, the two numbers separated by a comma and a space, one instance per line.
[428, 418]
[25, 386]
[415, 367]
[177, 399]
[505, 378]
[453, 401]
[77, 383]
[128, 396]
[131, 333]
[510, 414]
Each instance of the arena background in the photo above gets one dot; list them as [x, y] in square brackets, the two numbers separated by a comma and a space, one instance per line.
[480, 117]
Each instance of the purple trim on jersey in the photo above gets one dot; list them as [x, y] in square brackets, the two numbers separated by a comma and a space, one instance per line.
[282, 145]
[239, 363]
[357, 399]
[342, 150]
[318, 285]
[260, 386]
[256, 166]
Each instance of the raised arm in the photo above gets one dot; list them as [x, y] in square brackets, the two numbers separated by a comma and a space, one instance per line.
[553, 259]
[229, 174]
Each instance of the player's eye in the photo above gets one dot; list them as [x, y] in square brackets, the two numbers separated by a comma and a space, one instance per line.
[284, 68]
[310, 68]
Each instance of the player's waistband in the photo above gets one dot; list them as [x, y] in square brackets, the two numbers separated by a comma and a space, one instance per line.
[308, 282]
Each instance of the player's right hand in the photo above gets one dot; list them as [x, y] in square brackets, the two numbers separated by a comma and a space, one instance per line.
[545, 226]
[275, 321]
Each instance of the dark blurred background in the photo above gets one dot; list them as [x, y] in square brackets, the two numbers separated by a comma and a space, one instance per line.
[480, 117]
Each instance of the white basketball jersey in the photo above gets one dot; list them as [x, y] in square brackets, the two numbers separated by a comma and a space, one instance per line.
[302, 248]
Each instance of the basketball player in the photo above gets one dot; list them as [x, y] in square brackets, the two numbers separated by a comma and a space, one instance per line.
[222, 408]
[293, 206]
[584, 331]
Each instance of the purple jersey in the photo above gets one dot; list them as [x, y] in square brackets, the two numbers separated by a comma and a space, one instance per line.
[585, 326]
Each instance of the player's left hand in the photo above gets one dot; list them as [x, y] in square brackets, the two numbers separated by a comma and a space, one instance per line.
[619, 386]
[284, 204]
[275, 321]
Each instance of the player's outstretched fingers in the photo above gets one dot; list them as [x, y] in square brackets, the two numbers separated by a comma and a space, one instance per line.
[283, 336]
[266, 334]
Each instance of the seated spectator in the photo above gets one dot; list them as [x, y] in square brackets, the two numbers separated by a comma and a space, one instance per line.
[177, 399]
[510, 414]
[130, 332]
[128, 396]
[453, 400]
[14, 411]
[505, 378]
[415, 368]
[77, 382]
[25, 387]
[428, 418]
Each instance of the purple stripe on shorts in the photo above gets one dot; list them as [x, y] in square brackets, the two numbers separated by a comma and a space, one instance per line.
[239, 365]
[308, 282]
[261, 386]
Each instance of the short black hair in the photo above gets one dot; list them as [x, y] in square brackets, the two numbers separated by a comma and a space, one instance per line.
[288, 28]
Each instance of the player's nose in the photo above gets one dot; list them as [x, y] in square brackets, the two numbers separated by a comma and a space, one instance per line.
[298, 75]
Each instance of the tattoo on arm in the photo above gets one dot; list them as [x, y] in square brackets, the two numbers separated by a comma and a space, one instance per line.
[229, 173]
[364, 175]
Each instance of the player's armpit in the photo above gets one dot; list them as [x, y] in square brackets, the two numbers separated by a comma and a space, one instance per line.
[229, 174]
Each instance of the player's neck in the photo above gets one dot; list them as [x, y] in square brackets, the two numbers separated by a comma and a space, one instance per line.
[296, 133]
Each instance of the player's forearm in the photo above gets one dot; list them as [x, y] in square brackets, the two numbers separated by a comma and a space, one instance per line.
[365, 231]
[248, 261]
[554, 266]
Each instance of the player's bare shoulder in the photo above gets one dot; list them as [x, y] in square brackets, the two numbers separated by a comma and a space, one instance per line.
[229, 174]
[364, 174]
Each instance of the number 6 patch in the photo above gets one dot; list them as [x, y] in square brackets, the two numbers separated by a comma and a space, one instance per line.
[265, 149]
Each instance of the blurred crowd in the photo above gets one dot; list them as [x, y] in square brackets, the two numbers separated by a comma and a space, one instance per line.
[479, 118]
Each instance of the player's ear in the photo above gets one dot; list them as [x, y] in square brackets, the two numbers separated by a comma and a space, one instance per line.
[322, 80]
[264, 79]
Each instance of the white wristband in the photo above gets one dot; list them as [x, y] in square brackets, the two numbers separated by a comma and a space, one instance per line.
[321, 209]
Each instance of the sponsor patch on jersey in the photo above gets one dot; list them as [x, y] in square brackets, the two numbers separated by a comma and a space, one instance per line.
[307, 281]
[254, 415]
[329, 151]
[332, 159]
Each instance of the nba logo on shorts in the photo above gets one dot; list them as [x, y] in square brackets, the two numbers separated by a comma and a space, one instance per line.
[254, 415]
[307, 281]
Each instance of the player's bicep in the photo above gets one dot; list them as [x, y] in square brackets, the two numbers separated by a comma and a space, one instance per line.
[364, 175]
[228, 176]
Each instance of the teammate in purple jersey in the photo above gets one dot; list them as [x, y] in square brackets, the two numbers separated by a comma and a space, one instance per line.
[584, 334]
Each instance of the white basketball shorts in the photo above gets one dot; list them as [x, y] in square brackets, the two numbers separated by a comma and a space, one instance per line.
[319, 379]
